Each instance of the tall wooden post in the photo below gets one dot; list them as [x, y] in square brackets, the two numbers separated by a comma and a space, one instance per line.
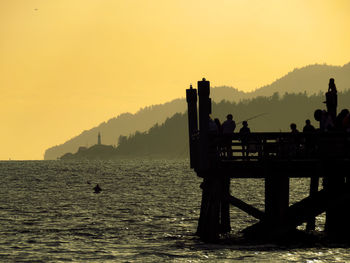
[225, 224]
[191, 97]
[337, 214]
[314, 180]
[204, 111]
[209, 225]
[276, 199]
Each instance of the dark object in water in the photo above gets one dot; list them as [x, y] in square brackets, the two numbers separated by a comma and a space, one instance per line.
[97, 189]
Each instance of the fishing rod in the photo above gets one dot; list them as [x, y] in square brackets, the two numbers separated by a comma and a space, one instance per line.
[254, 117]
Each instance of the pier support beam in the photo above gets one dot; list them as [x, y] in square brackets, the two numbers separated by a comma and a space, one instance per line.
[225, 225]
[215, 215]
[337, 213]
[209, 219]
[276, 200]
[314, 181]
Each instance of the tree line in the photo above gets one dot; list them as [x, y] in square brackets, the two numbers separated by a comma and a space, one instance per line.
[170, 139]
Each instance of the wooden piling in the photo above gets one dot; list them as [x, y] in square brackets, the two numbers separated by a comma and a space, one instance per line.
[337, 213]
[276, 198]
[314, 181]
[225, 224]
[191, 97]
[214, 216]
[204, 111]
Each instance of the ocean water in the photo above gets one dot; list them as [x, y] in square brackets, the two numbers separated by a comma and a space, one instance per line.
[147, 212]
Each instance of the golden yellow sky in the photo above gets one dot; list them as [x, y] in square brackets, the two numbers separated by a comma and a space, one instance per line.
[67, 65]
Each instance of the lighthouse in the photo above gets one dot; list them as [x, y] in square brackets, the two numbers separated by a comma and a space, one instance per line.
[99, 139]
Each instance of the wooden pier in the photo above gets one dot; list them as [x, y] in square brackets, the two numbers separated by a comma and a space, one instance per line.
[275, 157]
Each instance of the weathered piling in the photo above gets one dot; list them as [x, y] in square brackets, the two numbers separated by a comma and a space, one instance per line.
[204, 111]
[215, 215]
[191, 97]
[276, 198]
[225, 223]
[314, 182]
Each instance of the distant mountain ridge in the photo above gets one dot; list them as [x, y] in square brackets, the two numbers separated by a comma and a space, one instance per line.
[170, 140]
[310, 79]
[124, 124]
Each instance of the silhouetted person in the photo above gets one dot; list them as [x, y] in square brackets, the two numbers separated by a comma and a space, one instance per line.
[244, 131]
[97, 189]
[332, 99]
[294, 142]
[309, 139]
[228, 128]
[346, 123]
[218, 124]
[293, 128]
[308, 127]
[339, 121]
[213, 128]
[325, 120]
[219, 141]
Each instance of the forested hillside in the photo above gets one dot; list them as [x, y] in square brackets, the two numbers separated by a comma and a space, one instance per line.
[310, 79]
[171, 140]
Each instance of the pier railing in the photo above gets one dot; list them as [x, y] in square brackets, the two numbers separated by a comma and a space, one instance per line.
[279, 146]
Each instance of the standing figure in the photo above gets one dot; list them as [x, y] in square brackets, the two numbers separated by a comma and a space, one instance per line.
[218, 124]
[294, 145]
[325, 120]
[309, 143]
[213, 128]
[228, 128]
[332, 99]
[244, 132]
[293, 128]
[308, 127]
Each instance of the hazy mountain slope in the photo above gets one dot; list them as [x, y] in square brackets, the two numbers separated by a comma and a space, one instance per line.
[128, 123]
[311, 79]
[124, 124]
[171, 138]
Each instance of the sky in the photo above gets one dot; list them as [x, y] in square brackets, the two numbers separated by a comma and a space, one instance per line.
[68, 65]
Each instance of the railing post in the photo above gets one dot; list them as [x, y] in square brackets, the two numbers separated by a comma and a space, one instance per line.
[191, 97]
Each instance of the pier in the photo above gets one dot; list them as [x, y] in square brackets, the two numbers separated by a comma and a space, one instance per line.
[275, 157]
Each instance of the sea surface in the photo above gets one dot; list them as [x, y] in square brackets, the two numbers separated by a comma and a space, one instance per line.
[147, 212]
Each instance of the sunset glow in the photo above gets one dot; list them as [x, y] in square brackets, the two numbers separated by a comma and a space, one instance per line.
[69, 65]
